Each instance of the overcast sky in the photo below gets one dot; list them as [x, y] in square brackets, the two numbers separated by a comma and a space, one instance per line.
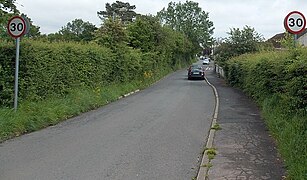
[266, 16]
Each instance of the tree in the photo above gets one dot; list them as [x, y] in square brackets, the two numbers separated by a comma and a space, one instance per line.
[7, 7]
[78, 30]
[189, 19]
[124, 11]
[111, 34]
[145, 33]
[239, 42]
[245, 40]
[34, 30]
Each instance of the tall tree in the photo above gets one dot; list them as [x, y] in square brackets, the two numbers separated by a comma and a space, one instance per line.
[244, 41]
[240, 41]
[189, 18]
[145, 33]
[78, 30]
[123, 10]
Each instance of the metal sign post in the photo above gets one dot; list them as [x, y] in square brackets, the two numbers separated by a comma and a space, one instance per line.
[16, 74]
[16, 28]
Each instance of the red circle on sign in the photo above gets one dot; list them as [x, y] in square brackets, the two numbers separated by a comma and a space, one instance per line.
[19, 33]
[287, 26]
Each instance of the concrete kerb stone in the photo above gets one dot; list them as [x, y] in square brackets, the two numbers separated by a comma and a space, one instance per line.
[205, 163]
[128, 94]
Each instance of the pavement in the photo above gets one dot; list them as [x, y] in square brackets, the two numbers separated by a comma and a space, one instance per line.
[244, 147]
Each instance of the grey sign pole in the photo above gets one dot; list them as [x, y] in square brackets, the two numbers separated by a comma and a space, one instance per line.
[295, 39]
[16, 74]
[16, 28]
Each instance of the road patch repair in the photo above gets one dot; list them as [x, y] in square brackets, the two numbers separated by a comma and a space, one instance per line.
[243, 148]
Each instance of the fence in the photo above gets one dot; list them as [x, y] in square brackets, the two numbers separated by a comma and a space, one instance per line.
[219, 70]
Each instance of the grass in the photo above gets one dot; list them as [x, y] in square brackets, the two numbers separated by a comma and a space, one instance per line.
[209, 165]
[211, 153]
[32, 116]
[290, 131]
[216, 127]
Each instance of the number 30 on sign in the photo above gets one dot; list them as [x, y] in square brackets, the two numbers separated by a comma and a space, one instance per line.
[16, 26]
[295, 22]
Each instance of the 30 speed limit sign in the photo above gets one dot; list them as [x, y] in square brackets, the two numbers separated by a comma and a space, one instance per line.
[16, 26]
[295, 22]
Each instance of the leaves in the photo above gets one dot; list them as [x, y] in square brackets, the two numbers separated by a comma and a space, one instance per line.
[189, 19]
[78, 30]
[239, 42]
[110, 34]
[124, 11]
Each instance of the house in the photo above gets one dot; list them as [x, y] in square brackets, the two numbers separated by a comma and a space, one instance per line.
[276, 39]
[302, 38]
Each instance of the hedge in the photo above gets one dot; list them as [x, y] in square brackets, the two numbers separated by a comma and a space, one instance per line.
[53, 69]
[277, 81]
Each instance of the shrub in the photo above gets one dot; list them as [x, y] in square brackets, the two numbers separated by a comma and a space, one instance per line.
[278, 82]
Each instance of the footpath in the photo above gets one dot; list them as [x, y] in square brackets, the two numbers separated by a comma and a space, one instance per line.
[244, 148]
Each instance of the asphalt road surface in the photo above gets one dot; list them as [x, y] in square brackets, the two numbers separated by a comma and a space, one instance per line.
[157, 133]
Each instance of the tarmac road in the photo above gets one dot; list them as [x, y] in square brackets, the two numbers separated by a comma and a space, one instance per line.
[157, 133]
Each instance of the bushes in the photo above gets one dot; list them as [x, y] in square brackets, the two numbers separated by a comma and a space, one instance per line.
[64, 79]
[53, 69]
[7, 63]
[278, 83]
[264, 74]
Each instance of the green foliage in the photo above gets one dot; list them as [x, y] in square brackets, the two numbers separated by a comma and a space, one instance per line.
[7, 9]
[111, 34]
[124, 11]
[145, 33]
[189, 19]
[211, 153]
[34, 30]
[53, 69]
[239, 42]
[59, 79]
[7, 6]
[288, 41]
[278, 82]
[78, 30]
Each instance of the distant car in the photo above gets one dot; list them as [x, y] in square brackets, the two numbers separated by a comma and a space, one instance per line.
[196, 72]
[206, 61]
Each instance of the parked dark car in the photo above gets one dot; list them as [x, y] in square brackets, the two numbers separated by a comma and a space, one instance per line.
[193, 66]
[196, 72]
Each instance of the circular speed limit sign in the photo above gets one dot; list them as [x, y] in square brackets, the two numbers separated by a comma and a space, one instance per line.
[16, 26]
[295, 22]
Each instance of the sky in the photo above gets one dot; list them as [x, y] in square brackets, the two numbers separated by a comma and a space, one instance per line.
[266, 16]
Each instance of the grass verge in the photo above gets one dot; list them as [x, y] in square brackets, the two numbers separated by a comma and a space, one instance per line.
[290, 131]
